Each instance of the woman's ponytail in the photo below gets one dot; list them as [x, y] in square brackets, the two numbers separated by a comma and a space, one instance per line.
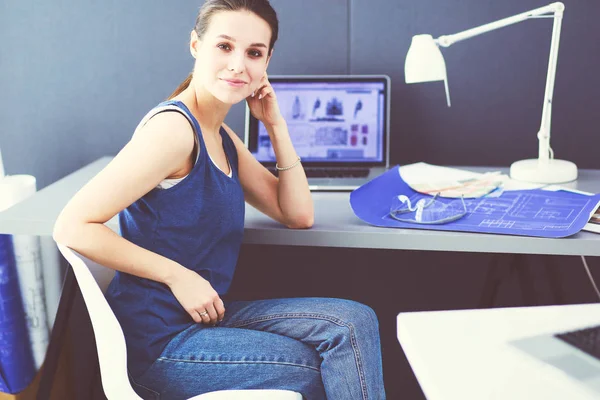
[184, 85]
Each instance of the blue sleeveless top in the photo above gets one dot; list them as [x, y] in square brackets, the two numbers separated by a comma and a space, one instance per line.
[198, 223]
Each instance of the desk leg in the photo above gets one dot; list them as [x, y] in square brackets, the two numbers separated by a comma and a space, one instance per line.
[58, 333]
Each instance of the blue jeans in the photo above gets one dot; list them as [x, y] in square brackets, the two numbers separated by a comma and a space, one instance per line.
[322, 348]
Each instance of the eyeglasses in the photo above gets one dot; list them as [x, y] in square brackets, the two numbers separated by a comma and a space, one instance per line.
[427, 211]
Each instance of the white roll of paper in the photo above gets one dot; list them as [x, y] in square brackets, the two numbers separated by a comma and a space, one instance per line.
[31, 280]
[14, 189]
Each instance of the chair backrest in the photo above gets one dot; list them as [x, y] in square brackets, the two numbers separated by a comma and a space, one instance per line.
[110, 341]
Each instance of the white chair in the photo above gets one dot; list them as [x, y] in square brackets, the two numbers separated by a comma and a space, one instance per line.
[93, 279]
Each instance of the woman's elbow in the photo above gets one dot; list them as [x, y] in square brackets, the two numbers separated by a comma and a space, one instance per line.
[60, 232]
[64, 230]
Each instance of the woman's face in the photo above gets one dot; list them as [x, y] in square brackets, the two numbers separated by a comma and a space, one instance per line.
[232, 58]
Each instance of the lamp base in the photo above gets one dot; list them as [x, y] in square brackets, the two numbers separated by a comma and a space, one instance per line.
[552, 171]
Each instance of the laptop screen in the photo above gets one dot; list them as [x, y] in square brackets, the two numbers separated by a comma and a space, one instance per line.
[331, 120]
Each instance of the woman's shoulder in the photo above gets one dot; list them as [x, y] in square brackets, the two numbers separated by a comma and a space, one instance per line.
[163, 108]
[173, 128]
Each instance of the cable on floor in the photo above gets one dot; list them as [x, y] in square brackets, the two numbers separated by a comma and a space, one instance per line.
[589, 273]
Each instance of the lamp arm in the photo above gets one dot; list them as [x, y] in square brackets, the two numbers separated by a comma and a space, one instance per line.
[448, 40]
[545, 151]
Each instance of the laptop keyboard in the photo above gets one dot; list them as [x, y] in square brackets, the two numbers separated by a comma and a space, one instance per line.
[586, 340]
[312, 172]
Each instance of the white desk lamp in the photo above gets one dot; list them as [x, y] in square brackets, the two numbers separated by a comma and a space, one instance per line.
[425, 63]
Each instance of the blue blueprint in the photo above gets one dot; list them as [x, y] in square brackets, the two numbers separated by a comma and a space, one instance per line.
[17, 368]
[535, 212]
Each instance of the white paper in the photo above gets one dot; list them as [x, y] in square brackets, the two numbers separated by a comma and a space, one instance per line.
[424, 173]
[14, 189]
[591, 227]
[421, 173]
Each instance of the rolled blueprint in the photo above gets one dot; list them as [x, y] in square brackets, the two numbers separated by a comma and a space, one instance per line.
[14, 189]
[29, 268]
[17, 367]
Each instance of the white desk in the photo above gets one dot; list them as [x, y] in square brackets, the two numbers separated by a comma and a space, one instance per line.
[465, 354]
[335, 224]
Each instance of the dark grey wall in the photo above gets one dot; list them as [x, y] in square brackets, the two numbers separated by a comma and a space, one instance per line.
[496, 80]
[76, 76]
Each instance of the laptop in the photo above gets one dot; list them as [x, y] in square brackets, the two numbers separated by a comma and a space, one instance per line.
[575, 352]
[339, 126]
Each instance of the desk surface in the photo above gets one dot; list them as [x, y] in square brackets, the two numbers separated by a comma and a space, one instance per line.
[335, 224]
[466, 355]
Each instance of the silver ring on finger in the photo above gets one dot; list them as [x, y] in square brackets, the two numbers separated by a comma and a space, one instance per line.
[203, 313]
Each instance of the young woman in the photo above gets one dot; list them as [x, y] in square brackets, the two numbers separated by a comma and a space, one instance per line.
[179, 187]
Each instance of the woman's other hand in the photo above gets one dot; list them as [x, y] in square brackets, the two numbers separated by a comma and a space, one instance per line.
[197, 297]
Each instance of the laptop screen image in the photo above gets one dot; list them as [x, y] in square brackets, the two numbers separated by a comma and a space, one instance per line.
[331, 120]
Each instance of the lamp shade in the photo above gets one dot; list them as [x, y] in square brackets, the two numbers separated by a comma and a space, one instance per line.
[424, 61]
